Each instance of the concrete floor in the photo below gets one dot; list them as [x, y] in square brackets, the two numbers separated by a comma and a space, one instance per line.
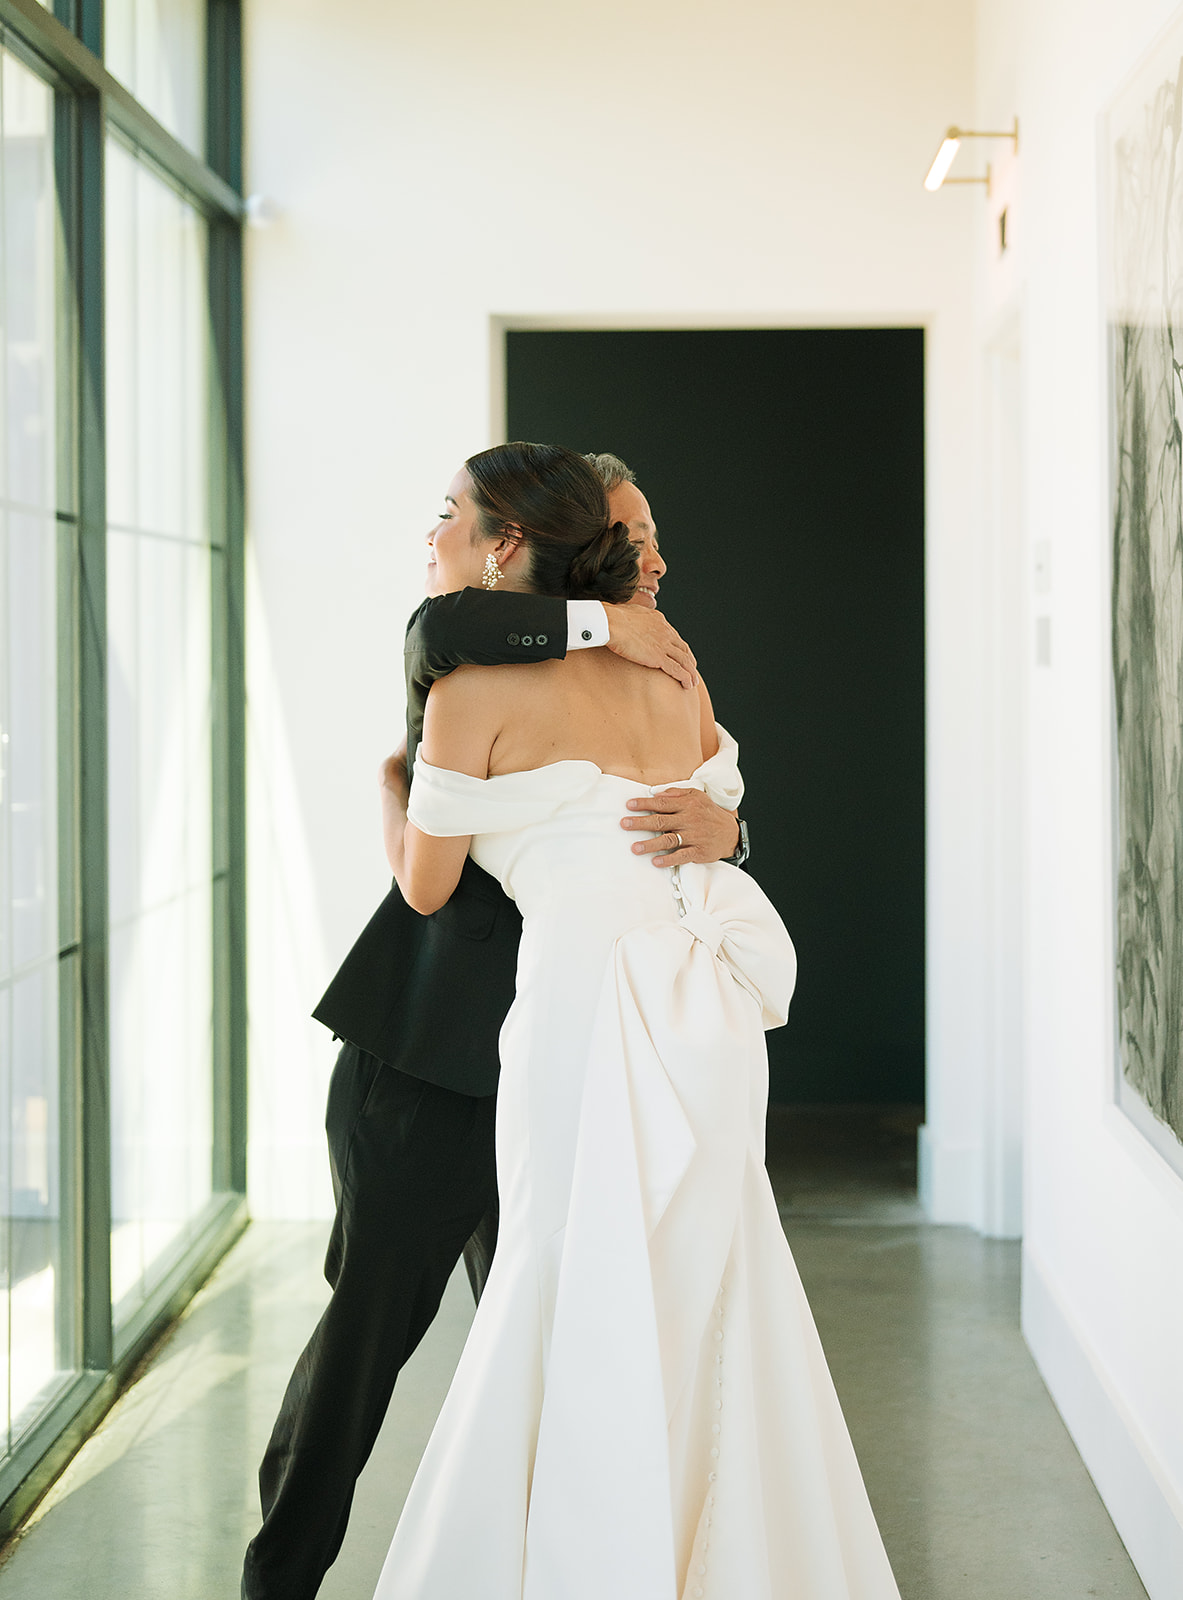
[978, 1489]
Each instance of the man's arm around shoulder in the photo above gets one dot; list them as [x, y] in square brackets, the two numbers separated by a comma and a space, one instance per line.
[478, 629]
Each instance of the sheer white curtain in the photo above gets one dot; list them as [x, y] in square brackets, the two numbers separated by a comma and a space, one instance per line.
[156, 48]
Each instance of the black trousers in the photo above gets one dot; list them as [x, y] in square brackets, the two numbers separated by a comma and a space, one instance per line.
[415, 1178]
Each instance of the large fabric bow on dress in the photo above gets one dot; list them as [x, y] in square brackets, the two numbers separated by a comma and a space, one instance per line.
[665, 1135]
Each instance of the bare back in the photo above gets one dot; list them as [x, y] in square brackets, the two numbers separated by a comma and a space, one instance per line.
[591, 706]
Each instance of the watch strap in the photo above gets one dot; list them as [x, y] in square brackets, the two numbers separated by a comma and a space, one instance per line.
[744, 849]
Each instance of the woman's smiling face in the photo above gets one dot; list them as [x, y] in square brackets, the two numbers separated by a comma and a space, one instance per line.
[457, 552]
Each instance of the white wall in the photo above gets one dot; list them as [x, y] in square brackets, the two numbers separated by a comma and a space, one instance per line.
[663, 162]
[1103, 1291]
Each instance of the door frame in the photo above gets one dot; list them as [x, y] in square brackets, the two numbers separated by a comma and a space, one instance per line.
[970, 1167]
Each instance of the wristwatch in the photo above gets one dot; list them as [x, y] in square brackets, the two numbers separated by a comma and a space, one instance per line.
[744, 850]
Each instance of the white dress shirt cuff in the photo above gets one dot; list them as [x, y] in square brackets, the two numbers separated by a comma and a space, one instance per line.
[587, 624]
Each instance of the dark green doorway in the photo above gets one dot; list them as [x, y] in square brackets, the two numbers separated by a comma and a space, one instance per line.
[785, 469]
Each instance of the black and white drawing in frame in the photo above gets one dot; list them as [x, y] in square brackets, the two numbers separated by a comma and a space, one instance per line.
[1143, 241]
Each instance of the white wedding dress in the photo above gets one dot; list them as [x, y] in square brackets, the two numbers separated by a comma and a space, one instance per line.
[642, 1410]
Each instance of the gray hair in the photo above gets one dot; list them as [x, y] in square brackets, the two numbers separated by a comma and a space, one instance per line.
[611, 469]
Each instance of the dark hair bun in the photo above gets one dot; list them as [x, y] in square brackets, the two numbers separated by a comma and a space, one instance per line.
[606, 569]
[558, 505]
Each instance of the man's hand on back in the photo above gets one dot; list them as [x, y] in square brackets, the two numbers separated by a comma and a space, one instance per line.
[707, 832]
[644, 636]
[394, 787]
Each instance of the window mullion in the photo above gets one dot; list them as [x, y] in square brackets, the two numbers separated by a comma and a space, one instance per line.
[92, 784]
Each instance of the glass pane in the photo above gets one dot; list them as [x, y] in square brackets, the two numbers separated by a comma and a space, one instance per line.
[34, 1201]
[156, 48]
[34, 1341]
[30, 740]
[29, 287]
[29, 1071]
[159, 699]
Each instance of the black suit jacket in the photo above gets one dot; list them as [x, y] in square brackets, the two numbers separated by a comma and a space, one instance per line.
[428, 995]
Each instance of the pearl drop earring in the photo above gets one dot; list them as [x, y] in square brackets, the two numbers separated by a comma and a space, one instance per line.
[492, 572]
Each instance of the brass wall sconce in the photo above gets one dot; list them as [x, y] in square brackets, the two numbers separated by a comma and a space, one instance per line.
[950, 144]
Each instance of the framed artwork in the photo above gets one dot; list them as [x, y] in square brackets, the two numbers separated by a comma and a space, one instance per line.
[1142, 234]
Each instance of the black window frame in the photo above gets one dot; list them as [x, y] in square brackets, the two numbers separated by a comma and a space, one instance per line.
[63, 46]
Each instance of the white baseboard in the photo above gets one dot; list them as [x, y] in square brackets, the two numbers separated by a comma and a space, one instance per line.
[1147, 1509]
[949, 1179]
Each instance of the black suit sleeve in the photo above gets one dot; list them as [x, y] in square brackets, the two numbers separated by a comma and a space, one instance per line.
[476, 628]
[480, 629]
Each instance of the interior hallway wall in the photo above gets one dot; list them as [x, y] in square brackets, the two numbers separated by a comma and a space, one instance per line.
[1102, 1293]
[437, 163]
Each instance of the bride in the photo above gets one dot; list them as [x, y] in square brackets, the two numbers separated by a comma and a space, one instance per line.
[642, 1410]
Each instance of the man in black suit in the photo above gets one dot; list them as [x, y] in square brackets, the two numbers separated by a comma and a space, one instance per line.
[418, 1004]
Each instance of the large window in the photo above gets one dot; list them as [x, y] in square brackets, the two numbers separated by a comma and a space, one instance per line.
[122, 1021]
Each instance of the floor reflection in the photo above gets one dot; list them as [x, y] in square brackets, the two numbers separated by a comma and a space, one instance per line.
[978, 1489]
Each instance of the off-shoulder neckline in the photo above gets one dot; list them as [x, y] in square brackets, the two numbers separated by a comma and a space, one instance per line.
[554, 766]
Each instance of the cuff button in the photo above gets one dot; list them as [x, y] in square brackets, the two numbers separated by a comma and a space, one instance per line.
[586, 634]
[527, 638]
[512, 638]
[541, 639]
